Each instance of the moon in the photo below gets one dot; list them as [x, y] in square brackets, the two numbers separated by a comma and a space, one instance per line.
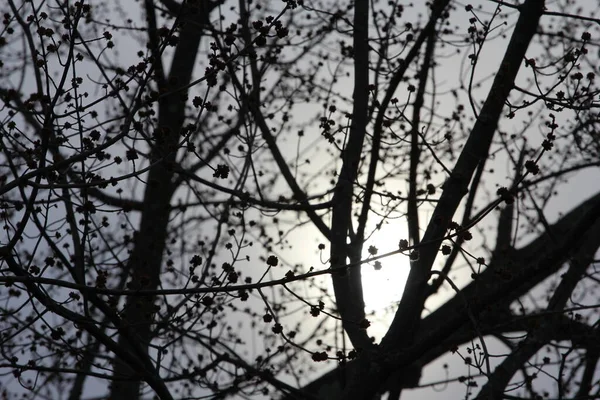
[383, 287]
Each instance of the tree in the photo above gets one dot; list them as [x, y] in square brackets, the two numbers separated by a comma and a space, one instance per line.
[183, 181]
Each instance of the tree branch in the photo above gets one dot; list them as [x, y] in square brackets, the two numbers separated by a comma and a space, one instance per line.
[347, 284]
[406, 320]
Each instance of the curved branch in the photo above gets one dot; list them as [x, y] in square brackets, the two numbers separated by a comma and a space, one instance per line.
[489, 296]
[150, 376]
[254, 107]
[347, 284]
[406, 321]
[415, 150]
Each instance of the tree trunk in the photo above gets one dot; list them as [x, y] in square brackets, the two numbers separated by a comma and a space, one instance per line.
[145, 264]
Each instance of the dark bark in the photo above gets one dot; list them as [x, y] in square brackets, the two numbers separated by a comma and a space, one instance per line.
[406, 320]
[129, 355]
[145, 263]
[488, 298]
[56, 160]
[412, 214]
[347, 283]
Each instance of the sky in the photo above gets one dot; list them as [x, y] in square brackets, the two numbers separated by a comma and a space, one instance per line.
[383, 288]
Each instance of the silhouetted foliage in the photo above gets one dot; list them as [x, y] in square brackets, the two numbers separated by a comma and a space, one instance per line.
[299, 199]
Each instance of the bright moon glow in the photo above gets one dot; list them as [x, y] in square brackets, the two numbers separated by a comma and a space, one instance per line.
[383, 288]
